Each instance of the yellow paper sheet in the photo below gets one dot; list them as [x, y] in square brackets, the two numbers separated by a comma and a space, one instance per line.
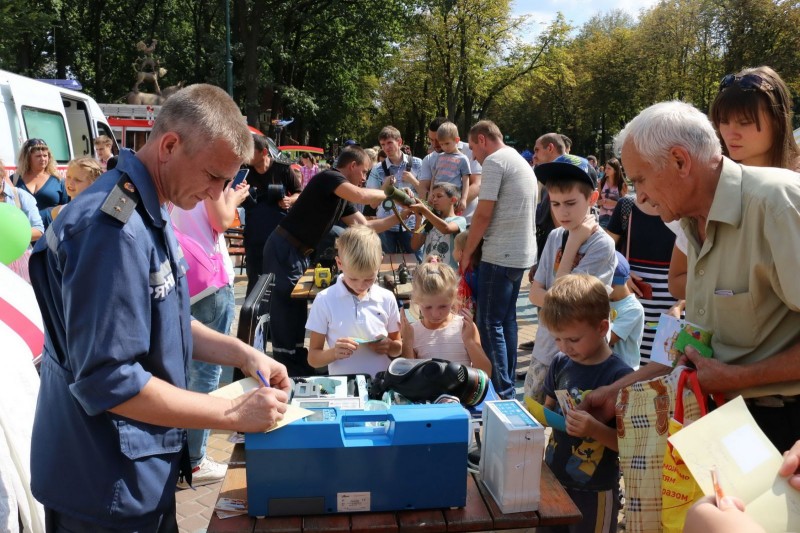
[237, 388]
[729, 439]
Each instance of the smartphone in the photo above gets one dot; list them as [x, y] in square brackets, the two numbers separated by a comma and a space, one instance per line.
[240, 177]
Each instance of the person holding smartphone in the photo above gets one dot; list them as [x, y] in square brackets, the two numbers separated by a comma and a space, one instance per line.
[273, 191]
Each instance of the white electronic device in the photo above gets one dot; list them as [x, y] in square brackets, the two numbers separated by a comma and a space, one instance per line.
[341, 392]
[511, 456]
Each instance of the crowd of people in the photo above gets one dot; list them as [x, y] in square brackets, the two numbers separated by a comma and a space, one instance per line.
[131, 350]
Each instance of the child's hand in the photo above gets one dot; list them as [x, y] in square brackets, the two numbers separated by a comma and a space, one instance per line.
[406, 330]
[344, 348]
[468, 325]
[586, 228]
[580, 423]
[382, 346]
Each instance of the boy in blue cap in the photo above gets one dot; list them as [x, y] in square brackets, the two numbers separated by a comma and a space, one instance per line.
[579, 245]
[627, 316]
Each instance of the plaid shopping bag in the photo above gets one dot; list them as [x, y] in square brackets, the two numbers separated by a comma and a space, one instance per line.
[643, 411]
[679, 490]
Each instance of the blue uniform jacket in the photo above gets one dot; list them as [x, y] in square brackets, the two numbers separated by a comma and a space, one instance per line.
[109, 278]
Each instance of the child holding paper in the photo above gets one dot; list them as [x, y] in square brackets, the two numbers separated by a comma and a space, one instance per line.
[440, 332]
[584, 458]
[358, 318]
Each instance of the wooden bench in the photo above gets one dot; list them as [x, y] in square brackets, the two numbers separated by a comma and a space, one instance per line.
[480, 513]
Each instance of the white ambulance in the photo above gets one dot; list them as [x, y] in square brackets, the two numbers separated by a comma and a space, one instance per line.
[67, 120]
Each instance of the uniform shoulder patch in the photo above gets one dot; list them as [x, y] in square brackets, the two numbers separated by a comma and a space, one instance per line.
[121, 201]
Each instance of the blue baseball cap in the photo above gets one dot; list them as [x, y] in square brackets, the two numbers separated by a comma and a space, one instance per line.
[350, 142]
[566, 166]
[527, 155]
[622, 272]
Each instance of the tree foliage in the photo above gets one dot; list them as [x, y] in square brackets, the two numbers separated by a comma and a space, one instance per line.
[345, 68]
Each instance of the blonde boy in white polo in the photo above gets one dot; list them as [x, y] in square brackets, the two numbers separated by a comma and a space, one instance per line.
[358, 319]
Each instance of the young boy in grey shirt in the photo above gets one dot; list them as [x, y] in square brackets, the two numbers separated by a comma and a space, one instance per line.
[578, 245]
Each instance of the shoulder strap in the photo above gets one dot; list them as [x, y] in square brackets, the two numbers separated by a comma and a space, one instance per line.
[16, 198]
[564, 238]
[385, 168]
[121, 201]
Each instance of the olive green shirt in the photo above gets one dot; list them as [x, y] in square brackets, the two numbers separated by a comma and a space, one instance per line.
[743, 282]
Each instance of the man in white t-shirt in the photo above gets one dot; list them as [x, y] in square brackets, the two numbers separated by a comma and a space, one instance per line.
[429, 163]
[504, 219]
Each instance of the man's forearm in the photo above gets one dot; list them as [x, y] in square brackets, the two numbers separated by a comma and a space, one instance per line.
[781, 367]
[645, 373]
[162, 404]
[474, 187]
[213, 347]
[480, 222]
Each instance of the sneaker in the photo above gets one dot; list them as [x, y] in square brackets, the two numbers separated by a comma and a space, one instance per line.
[527, 345]
[207, 472]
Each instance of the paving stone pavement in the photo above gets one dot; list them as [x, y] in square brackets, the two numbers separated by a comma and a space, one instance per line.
[194, 507]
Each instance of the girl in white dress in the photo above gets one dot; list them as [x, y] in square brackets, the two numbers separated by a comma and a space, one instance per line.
[440, 332]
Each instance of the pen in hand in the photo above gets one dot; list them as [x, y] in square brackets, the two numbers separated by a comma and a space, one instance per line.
[718, 493]
[262, 378]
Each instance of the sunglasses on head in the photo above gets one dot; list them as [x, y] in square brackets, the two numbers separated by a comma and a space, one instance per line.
[33, 143]
[746, 82]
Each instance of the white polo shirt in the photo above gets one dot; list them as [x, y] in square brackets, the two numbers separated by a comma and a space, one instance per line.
[337, 313]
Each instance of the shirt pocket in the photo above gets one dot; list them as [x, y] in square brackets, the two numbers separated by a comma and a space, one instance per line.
[736, 322]
[140, 439]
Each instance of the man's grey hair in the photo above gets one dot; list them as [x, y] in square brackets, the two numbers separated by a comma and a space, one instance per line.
[201, 114]
[661, 126]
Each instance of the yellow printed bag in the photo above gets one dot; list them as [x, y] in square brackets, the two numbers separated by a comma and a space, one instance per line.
[643, 413]
[679, 490]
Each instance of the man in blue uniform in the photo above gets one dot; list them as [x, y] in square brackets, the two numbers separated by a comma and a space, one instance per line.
[108, 437]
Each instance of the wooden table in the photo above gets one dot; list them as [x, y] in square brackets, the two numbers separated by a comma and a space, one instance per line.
[306, 290]
[480, 513]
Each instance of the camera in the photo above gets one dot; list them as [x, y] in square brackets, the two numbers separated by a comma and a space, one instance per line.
[275, 192]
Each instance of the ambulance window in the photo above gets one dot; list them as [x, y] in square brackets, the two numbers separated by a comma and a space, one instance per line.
[47, 125]
[102, 129]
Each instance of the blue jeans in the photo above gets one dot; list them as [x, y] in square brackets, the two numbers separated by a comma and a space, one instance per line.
[398, 242]
[287, 320]
[215, 311]
[498, 288]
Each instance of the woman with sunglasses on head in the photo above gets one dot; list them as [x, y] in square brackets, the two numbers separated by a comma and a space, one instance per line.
[752, 114]
[36, 174]
[612, 188]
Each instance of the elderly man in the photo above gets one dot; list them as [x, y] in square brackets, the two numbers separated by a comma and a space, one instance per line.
[743, 228]
[504, 220]
[108, 443]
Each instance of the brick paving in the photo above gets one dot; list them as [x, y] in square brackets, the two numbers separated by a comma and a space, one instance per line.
[195, 506]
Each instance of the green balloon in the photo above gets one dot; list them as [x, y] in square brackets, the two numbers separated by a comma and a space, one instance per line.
[15, 233]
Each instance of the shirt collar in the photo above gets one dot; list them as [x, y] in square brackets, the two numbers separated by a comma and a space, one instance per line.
[402, 162]
[339, 289]
[132, 166]
[727, 204]
[726, 207]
